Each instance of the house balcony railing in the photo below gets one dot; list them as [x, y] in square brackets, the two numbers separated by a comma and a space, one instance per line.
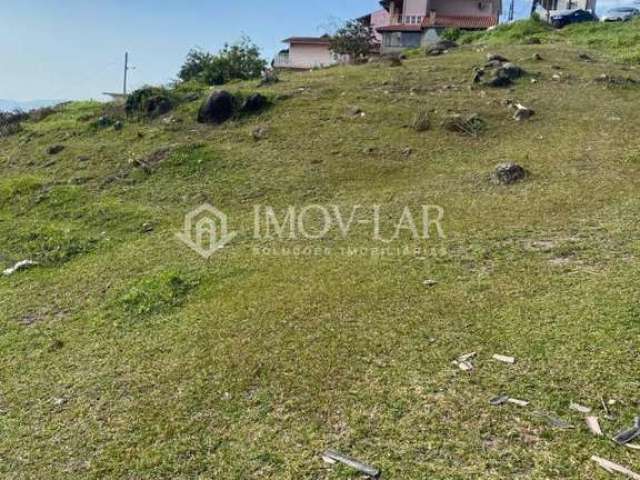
[406, 20]
[281, 61]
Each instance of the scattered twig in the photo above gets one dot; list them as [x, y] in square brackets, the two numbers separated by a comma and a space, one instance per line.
[615, 468]
[331, 456]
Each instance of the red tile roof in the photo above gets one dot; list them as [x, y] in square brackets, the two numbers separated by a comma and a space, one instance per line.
[308, 40]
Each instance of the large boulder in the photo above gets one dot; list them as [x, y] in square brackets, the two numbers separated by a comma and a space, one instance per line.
[217, 108]
[511, 71]
[254, 103]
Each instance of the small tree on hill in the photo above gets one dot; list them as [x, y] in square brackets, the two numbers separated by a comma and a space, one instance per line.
[239, 61]
[354, 39]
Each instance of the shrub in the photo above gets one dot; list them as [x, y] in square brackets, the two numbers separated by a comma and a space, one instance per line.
[238, 61]
[10, 122]
[452, 34]
[354, 39]
[150, 102]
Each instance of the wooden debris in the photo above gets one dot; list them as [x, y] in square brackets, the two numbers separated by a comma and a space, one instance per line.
[331, 456]
[615, 468]
[626, 436]
[594, 426]
[504, 359]
[576, 407]
[520, 403]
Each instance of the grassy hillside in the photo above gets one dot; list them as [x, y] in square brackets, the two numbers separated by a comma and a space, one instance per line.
[126, 355]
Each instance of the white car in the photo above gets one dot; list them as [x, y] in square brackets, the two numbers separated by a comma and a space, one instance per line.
[620, 14]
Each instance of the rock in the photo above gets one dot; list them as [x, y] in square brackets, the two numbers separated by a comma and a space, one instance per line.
[406, 152]
[491, 57]
[259, 133]
[509, 173]
[585, 57]
[434, 52]
[22, 265]
[537, 57]
[478, 73]
[83, 158]
[499, 80]
[254, 103]
[55, 149]
[104, 122]
[493, 64]
[355, 111]
[533, 41]
[217, 108]
[511, 71]
[158, 105]
[522, 113]
[118, 126]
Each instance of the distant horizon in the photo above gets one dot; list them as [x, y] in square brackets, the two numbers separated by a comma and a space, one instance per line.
[75, 51]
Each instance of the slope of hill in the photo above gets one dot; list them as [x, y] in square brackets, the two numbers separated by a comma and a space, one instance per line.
[127, 355]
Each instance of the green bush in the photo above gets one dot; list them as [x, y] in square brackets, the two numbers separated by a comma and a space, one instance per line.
[239, 61]
[151, 102]
[453, 34]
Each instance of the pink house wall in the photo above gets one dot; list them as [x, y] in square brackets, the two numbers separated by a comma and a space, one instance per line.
[381, 18]
[310, 56]
[464, 7]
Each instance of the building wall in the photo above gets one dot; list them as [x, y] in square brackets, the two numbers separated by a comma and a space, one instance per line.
[310, 56]
[415, 7]
[381, 18]
[465, 7]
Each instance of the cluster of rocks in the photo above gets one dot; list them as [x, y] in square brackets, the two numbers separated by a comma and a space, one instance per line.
[106, 122]
[497, 72]
[442, 46]
[221, 106]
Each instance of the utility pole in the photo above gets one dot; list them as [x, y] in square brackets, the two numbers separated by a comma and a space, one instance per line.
[512, 11]
[126, 72]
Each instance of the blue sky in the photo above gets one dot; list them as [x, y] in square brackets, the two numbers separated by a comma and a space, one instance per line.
[73, 49]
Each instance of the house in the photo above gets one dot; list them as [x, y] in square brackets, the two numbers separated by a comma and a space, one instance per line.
[375, 20]
[417, 23]
[305, 53]
[547, 8]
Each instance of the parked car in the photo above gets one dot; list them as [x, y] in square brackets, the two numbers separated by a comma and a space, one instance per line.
[620, 14]
[566, 17]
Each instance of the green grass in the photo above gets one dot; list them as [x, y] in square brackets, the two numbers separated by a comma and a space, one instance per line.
[620, 41]
[126, 355]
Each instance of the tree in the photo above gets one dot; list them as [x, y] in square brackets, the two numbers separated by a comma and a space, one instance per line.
[354, 39]
[239, 61]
